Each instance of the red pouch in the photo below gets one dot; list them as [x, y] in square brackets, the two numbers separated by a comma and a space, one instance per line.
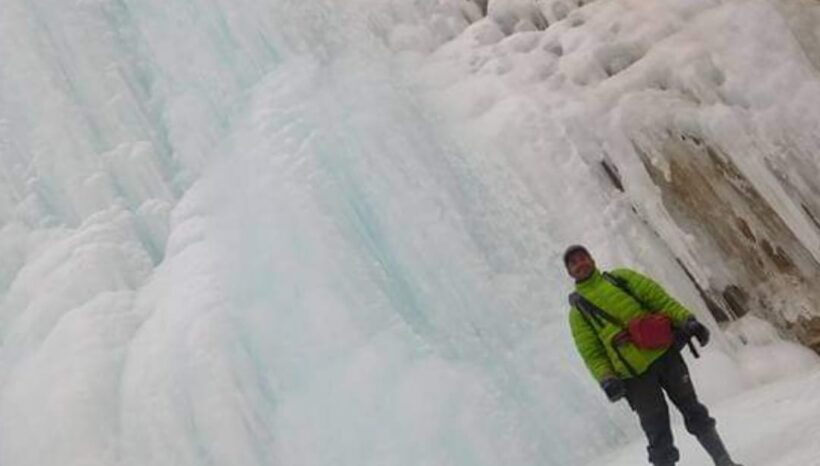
[653, 331]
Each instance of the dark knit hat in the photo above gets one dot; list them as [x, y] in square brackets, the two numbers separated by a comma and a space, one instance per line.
[573, 249]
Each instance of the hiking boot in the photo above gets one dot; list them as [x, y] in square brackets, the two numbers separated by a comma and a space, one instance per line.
[714, 446]
[727, 463]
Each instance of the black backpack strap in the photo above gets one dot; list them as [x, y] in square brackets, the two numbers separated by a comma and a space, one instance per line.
[575, 300]
[617, 281]
[624, 286]
[590, 310]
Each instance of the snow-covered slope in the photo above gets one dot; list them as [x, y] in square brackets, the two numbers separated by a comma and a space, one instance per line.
[311, 232]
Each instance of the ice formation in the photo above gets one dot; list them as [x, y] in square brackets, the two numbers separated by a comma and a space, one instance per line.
[301, 232]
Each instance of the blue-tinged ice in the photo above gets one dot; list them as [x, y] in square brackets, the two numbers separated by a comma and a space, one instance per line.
[237, 232]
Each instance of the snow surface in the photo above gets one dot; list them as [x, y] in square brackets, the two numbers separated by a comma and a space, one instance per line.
[323, 233]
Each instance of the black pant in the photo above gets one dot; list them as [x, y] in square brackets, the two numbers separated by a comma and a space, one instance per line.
[645, 395]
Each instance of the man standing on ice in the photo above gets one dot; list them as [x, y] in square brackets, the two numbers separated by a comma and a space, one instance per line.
[629, 331]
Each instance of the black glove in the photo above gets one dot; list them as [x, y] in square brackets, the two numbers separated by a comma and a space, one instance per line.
[695, 329]
[614, 388]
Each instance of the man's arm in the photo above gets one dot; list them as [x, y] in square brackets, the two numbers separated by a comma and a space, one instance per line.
[653, 295]
[590, 347]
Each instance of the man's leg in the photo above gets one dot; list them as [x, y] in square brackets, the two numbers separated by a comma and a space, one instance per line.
[674, 376]
[646, 398]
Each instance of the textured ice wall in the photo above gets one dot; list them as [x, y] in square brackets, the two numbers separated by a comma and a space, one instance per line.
[108, 113]
[348, 290]
[701, 115]
[231, 236]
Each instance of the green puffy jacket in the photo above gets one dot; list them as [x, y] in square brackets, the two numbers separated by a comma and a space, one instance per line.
[593, 342]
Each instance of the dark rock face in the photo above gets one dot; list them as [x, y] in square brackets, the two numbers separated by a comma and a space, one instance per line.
[765, 269]
[807, 331]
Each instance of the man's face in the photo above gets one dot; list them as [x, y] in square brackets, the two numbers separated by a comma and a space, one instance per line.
[580, 265]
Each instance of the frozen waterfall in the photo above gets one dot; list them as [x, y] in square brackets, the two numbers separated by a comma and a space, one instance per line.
[314, 232]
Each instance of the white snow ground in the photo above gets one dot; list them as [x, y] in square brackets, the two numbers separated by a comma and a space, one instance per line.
[773, 425]
[249, 233]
